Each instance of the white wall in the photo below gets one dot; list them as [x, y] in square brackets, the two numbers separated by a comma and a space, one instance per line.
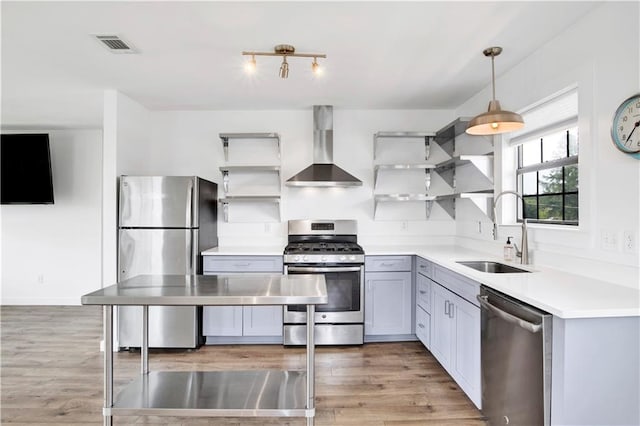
[601, 54]
[187, 142]
[51, 253]
[125, 125]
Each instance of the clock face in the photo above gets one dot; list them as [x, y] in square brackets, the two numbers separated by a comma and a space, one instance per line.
[625, 129]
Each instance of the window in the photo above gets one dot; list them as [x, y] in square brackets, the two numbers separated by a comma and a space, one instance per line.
[547, 168]
[547, 177]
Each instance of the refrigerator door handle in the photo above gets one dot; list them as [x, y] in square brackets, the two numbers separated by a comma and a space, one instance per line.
[192, 253]
[190, 213]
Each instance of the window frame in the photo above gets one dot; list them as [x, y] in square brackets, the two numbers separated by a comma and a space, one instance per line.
[569, 160]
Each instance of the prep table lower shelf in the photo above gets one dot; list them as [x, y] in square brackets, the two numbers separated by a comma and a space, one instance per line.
[252, 393]
[263, 393]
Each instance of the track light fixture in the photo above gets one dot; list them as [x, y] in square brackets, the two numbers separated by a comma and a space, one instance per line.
[495, 120]
[284, 50]
[284, 68]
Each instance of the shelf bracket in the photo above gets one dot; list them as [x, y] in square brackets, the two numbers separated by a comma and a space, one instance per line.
[225, 210]
[485, 205]
[448, 174]
[225, 181]
[427, 147]
[427, 179]
[448, 205]
[225, 147]
[428, 206]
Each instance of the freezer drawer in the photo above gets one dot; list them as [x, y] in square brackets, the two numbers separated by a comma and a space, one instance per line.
[157, 251]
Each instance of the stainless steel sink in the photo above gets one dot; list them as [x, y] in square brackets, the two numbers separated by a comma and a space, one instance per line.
[492, 267]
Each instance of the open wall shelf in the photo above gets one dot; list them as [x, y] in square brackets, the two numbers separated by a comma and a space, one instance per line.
[228, 170]
[226, 137]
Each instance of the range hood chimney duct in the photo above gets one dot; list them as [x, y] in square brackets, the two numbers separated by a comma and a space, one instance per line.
[323, 173]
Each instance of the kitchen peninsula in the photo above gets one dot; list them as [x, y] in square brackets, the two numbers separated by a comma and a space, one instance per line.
[287, 393]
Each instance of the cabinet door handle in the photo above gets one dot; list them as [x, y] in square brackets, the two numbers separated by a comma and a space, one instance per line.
[423, 292]
[420, 325]
[446, 307]
[451, 310]
[423, 267]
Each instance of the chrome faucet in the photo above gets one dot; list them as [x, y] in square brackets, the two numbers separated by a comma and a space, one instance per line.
[523, 253]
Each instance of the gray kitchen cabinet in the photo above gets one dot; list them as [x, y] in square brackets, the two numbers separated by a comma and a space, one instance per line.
[242, 324]
[455, 335]
[423, 301]
[389, 313]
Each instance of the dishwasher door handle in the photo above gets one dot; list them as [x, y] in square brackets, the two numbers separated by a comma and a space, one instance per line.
[533, 328]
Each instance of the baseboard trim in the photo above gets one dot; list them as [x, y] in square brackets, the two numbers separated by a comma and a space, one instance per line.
[63, 301]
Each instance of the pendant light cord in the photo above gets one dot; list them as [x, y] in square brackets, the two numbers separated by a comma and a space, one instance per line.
[493, 77]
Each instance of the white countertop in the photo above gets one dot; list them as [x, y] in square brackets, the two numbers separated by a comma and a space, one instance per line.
[560, 293]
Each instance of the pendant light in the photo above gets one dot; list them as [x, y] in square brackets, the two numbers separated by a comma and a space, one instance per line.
[495, 120]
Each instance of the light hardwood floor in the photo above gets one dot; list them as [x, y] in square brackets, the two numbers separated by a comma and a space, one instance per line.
[51, 373]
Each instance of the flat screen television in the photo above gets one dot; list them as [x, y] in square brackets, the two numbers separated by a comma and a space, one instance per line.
[25, 169]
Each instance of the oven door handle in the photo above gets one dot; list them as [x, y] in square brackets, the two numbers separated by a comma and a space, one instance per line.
[313, 269]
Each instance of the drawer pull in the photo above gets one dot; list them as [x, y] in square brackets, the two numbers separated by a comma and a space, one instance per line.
[420, 325]
[237, 265]
[423, 267]
[423, 292]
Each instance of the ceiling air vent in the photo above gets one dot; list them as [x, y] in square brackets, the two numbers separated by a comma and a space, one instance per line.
[115, 44]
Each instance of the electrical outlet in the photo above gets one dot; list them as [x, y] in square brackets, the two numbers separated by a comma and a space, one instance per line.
[267, 228]
[609, 240]
[629, 244]
[40, 278]
[404, 225]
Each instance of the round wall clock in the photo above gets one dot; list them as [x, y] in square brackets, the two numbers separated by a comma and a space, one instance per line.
[625, 127]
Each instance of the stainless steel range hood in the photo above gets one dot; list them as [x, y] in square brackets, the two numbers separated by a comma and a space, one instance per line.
[323, 173]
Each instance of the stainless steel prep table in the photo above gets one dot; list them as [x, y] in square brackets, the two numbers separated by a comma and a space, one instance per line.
[209, 393]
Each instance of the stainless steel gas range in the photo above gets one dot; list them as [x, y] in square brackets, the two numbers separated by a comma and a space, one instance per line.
[328, 247]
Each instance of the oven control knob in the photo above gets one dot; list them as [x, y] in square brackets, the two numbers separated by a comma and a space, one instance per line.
[343, 258]
[353, 258]
[304, 257]
[323, 258]
[296, 258]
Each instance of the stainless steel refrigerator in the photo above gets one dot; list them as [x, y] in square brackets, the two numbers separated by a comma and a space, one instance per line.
[164, 223]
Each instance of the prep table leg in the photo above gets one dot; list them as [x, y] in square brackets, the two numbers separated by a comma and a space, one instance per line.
[311, 309]
[144, 348]
[108, 362]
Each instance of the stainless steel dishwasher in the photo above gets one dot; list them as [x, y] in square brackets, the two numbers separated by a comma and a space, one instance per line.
[516, 361]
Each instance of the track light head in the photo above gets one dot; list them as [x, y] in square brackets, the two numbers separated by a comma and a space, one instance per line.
[284, 68]
[251, 65]
[315, 67]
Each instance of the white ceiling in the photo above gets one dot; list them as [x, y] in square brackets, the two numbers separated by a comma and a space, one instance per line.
[380, 55]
